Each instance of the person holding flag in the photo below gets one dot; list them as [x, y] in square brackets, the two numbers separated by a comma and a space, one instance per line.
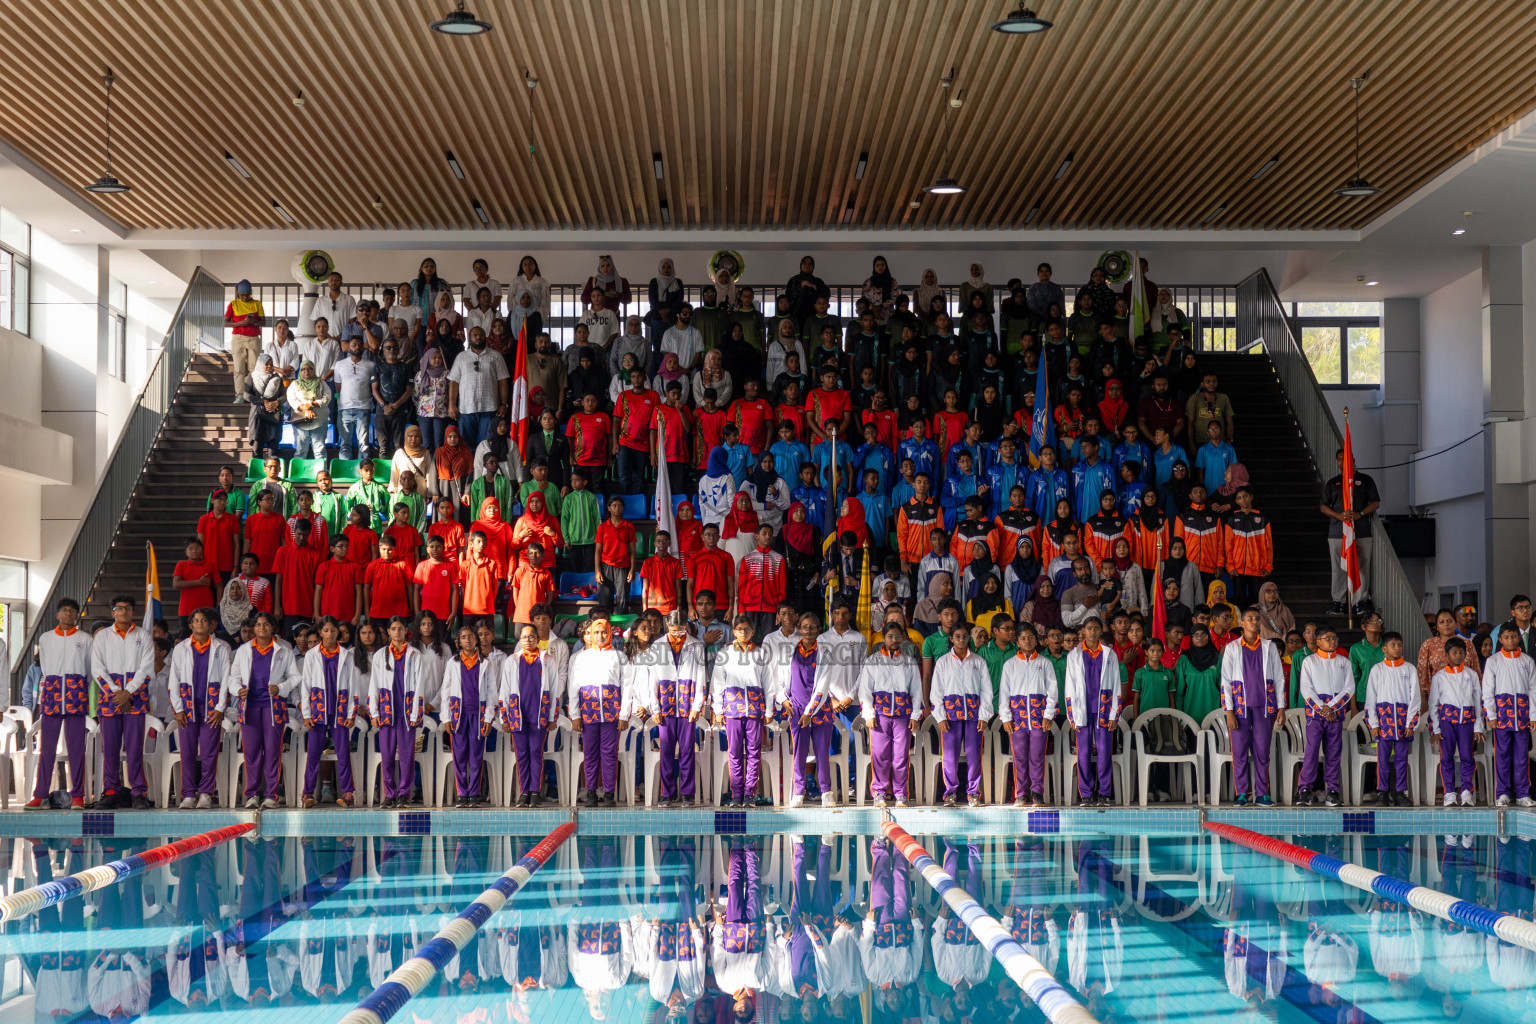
[1348, 501]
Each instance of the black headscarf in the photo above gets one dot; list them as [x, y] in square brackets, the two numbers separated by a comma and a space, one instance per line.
[984, 602]
[885, 282]
[1202, 658]
[764, 479]
[1173, 568]
[1026, 569]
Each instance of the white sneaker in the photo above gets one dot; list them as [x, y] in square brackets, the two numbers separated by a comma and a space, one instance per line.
[269, 804]
[1526, 801]
[252, 803]
[798, 800]
[880, 800]
[973, 801]
[1467, 799]
[828, 800]
[1502, 801]
[1450, 800]
[187, 803]
[901, 802]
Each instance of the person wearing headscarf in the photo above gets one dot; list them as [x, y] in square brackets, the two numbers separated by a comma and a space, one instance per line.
[632, 342]
[415, 456]
[234, 608]
[770, 494]
[739, 528]
[671, 373]
[1021, 572]
[990, 599]
[1216, 597]
[713, 375]
[1175, 493]
[880, 288]
[803, 290]
[454, 464]
[264, 390]
[1197, 675]
[431, 397]
[1177, 566]
[797, 543]
[1224, 498]
[536, 525]
[926, 614]
[922, 300]
[1275, 619]
[615, 289]
[851, 519]
[530, 280]
[717, 488]
[973, 285]
[523, 318]
[1044, 609]
[666, 288]
[309, 398]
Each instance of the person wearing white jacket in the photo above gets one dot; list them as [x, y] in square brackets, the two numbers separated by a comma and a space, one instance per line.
[1509, 683]
[63, 698]
[122, 663]
[598, 698]
[469, 694]
[1327, 686]
[740, 698]
[1253, 691]
[262, 677]
[1455, 719]
[961, 690]
[1092, 691]
[331, 691]
[198, 667]
[800, 686]
[401, 686]
[676, 700]
[1027, 705]
[526, 705]
[890, 692]
[889, 943]
[1392, 711]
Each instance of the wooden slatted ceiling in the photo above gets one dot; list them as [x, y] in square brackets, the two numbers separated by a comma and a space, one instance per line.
[759, 108]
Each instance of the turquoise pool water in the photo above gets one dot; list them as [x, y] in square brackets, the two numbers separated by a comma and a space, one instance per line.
[1140, 929]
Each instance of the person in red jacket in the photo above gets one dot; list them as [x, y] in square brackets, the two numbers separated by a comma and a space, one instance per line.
[761, 582]
[1201, 531]
[296, 565]
[387, 585]
[220, 532]
[257, 585]
[1250, 549]
[265, 532]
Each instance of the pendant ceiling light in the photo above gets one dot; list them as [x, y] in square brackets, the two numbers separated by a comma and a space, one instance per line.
[946, 185]
[107, 184]
[459, 22]
[1357, 187]
[1022, 22]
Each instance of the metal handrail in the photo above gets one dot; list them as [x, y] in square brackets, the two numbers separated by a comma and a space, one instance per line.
[1261, 320]
[198, 318]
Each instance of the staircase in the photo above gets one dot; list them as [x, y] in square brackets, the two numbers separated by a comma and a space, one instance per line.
[1286, 483]
[202, 432]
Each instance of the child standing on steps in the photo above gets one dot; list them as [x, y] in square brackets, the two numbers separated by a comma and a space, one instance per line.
[1392, 711]
[1456, 720]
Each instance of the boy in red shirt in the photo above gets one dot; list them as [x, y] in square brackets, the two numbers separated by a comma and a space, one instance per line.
[753, 416]
[828, 402]
[887, 423]
[678, 435]
[339, 584]
[532, 584]
[709, 421]
[407, 539]
[633, 412]
[296, 565]
[319, 533]
[445, 526]
[219, 532]
[258, 586]
[197, 579]
[615, 555]
[265, 532]
[660, 574]
[387, 585]
[362, 542]
[791, 411]
[714, 570]
[589, 432]
[437, 582]
[478, 579]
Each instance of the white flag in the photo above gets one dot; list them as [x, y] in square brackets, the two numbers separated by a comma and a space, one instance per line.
[663, 510]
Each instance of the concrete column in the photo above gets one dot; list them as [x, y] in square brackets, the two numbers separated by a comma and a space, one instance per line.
[1506, 507]
[1400, 390]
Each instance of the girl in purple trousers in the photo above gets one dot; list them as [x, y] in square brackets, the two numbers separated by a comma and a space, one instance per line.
[261, 679]
[401, 689]
[331, 690]
[198, 667]
[469, 695]
[526, 707]
[802, 692]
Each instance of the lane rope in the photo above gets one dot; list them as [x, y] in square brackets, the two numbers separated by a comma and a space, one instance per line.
[1028, 973]
[412, 976]
[1501, 925]
[29, 901]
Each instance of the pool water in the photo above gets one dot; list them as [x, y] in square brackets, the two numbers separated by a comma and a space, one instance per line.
[1138, 928]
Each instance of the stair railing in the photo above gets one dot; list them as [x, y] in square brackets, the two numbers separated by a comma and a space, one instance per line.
[198, 322]
[1261, 320]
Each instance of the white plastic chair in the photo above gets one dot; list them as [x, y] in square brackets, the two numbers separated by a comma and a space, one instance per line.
[492, 767]
[1218, 755]
[626, 773]
[703, 741]
[162, 765]
[551, 756]
[232, 758]
[373, 764]
[1145, 759]
[1292, 756]
[14, 750]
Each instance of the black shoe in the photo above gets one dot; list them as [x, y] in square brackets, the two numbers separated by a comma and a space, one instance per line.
[1304, 799]
[521, 801]
[1403, 799]
[1337, 608]
[1370, 799]
[535, 799]
[729, 801]
[1038, 798]
[763, 801]
[589, 798]
[1362, 609]
[1389, 799]
[949, 801]
[663, 804]
[141, 803]
[1333, 798]
[609, 800]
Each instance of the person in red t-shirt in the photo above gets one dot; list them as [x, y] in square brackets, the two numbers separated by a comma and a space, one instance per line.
[589, 432]
[791, 410]
[219, 531]
[479, 580]
[362, 542]
[712, 569]
[437, 581]
[196, 578]
[407, 539]
[257, 586]
[633, 412]
[319, 532]
[887, 422]
[828, 402]
[616, 561]
[265, 532]
[949, 423]
[532, 584]
[660, 575]
[296, 565]
[339, 585]
[387, 585]
[709, 421]
[675, 426]
[753, 417]
[451, 531]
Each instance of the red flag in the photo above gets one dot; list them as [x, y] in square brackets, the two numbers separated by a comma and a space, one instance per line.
[1349, 558]
[520, 422]
[1159, 605]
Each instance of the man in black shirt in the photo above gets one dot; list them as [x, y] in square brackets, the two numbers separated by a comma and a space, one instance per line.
[1365, 501]
[392, 389]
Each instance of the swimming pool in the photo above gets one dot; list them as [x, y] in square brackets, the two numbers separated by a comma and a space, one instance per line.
[1138, 927]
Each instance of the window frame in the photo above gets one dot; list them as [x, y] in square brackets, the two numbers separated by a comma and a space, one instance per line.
[1343, 324]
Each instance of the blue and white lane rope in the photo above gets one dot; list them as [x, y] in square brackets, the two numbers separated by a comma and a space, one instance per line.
[60, 889]
[1028, 973]
[412, 976]
[1514, 930]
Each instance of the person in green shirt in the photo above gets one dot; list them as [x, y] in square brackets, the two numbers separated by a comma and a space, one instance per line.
[1197, 675]
[236, 500]
[1365, 655]
[540, 481]
[330, 503]
[937, 645]
[1055, 651]
[1153, 688]
[1309, 638]
[368, 491]
[999, 649]
[281, 489]
[407, 494]
[499, 488]
[578, 522]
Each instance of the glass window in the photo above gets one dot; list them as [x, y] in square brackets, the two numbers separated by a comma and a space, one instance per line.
[7, 282]
[13, 579]
[1321, 344]
[21, 312]
[1364, 355]
[1364, 309]
[117, 356]
[15, 233]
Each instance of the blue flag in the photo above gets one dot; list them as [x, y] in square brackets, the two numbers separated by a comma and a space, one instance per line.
[1042, 429]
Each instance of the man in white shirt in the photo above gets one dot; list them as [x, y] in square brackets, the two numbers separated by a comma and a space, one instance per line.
[602, 324]
[684, 341]
[477, 390]
[471, 291]
[354, 389]
[335, 305]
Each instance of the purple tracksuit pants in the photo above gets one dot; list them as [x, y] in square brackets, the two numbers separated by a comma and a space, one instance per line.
[1392, 763]
[890, 744]
[744, 752]
[199, 757]
[1511, 757]
[119, 732]
[1250, 753]
[73, 727]
[1456, 738]
[1095, 742]
[677, 771]
[600, 755]
[262, 741]
[528, 749]
[817, 738]
[397, 754]
[1327, 737]
[340, 738]
[468, 753]
[962, 734]
[1028, 760]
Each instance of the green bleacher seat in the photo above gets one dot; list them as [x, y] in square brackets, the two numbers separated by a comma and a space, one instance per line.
[344, 472]
[256, 470]
[303, 471]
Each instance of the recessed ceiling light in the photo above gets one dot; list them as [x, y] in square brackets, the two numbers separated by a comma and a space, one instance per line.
[1034, 211]
[480, 212]
[656, 163]
[282, 212]
[1021, 22]
[1061, 172]
[76, 231]
[1459, 231]
[848, 211]
[153, 282]
[453, 165]
[1268, 166]
[862, 166]
[459, 22]
[666, 213]
[239, 168]
[1214, 214]
[1372, 284]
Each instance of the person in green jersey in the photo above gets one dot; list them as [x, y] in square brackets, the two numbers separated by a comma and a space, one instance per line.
[579, 515]
[999, 649]
[1197, 675]
[1365, 655]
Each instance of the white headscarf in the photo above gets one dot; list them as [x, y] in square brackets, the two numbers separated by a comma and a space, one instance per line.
[664, 282]
[978, 281]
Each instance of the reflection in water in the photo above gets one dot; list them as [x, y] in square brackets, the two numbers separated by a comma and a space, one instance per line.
[768, 928]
